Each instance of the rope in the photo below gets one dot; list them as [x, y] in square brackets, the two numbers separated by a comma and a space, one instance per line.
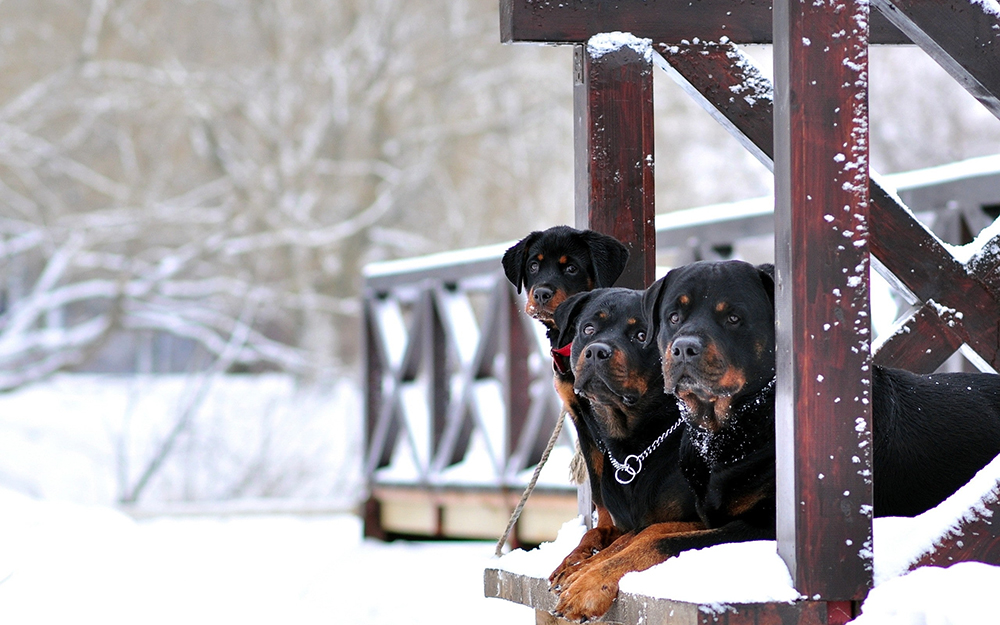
[531, 485]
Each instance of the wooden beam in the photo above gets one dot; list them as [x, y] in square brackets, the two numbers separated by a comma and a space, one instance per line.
[729, 87]
[823, 413]
[613, 137]
[918, 258]
[921, 344]
[662, 21]
[962, 36]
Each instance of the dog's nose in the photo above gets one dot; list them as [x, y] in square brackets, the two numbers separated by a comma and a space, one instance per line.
[599, 351]
[542, 294]
[686, 348]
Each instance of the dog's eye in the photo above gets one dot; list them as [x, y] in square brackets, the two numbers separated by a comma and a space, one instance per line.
[733, 319]
[533, 266]
[674, 317]
[571, 270]
[640, 336]
[589, 329]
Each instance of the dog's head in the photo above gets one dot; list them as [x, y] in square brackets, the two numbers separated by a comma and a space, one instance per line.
[613, 366]
[713, 325]
[559, 262]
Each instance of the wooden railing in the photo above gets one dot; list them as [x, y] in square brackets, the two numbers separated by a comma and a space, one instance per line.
[459, 385]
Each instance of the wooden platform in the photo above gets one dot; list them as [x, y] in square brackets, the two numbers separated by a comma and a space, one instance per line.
[630, 608]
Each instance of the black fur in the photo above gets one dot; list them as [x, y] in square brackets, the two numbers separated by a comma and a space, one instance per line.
[931, 432]
[556, 263]
[619, 374]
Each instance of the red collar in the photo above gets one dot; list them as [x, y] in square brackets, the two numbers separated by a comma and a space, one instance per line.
[560, 358]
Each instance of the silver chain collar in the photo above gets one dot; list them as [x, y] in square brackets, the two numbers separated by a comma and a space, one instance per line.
[633, 463]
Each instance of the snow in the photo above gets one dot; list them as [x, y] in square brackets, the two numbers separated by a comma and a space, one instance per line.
[990, 7]
[749, 572]
[605, 43]
[962, 594]
[450, 258]
[66, 563]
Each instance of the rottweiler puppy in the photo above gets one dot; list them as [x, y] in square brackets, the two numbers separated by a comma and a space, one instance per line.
[553, 265]
[713, 324]
[636, 428]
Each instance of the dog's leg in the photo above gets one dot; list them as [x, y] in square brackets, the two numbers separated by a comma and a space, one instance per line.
[593, 589]
[592, 542]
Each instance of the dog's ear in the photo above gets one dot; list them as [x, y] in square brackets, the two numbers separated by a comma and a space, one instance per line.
[766, 272]
[514, 260]
[566, 314]
[651, 307]
[607, 257]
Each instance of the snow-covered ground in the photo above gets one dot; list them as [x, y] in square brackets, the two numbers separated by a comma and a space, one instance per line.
[67, 563]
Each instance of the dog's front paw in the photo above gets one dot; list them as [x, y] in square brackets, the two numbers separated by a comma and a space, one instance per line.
[570, 565]
[587, 597]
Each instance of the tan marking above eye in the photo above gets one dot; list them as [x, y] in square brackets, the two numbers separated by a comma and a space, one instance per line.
[602, 315]
[685, 300]
[721, 306]
[563, 260]
[540, 257]
[632, 321]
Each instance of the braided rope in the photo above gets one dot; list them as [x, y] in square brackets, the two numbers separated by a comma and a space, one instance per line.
[531, 485]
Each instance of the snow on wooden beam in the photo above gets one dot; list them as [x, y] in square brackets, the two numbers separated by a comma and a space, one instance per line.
[613, 141]
[823, 412]
[962, 528]
[662, 21]
[963, 36]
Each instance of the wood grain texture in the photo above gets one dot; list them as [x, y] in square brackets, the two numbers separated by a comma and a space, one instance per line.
[823, 415]
[613, 103]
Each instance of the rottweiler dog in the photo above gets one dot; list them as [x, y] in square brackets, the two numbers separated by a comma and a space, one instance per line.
[636, 428]
[713, 325]
[553, 265]
[559, 262]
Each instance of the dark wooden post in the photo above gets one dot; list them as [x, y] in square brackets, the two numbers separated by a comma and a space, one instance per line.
[613, 115]
[435, 364]
[823, 330]
[373, 408]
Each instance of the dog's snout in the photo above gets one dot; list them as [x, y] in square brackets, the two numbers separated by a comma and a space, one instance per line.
[598, 351]
[686, 348]
[542, 294]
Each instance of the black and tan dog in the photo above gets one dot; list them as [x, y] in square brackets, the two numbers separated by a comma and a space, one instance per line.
[713, 324]
[559, 262]
[636, 428]
[553, 265]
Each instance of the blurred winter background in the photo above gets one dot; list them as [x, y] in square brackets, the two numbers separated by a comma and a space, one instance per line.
[189, 190]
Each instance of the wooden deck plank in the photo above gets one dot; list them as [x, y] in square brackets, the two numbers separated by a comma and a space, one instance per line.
[631, 608]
